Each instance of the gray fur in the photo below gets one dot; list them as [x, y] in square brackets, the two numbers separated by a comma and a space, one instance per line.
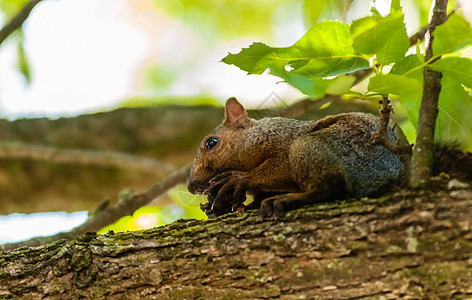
[343, 147]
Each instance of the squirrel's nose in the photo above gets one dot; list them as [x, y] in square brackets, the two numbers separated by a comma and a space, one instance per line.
[195, 188]
[192, 186]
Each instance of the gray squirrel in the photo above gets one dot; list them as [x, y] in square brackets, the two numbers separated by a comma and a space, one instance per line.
[286, 163]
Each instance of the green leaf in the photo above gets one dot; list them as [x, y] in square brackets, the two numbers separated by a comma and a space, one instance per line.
[384, 37]
[458, 68]
[394, 84]
[453, 35]
[455, 105]
[325, 50]
[341, 84]
[410, 66]
[411, 103]
[454, 124]
[254, 60]
[314, 87]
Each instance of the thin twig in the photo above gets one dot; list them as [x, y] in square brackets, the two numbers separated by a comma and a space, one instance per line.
[401, 148]
[381, 135]
[417, 37]
[18, 20]
[422, 160]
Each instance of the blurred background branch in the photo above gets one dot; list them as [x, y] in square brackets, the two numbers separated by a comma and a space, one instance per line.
[9, 150]
[106, 214]
[17, 21]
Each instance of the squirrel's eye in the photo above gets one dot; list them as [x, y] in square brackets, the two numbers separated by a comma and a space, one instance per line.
[211, 142]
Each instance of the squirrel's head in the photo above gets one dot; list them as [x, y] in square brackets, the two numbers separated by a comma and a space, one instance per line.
[218, 151]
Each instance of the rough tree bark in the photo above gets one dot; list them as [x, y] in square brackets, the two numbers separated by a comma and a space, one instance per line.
[411, 244]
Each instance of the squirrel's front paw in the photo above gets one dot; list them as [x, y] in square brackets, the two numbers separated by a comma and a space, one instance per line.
[229, 187]
[214, 209]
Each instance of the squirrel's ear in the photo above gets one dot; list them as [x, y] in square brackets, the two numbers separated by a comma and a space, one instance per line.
[235, 114]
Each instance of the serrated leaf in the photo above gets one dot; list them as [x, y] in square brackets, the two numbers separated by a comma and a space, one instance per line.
[254, 60]
[384, 37]
[314, 87]
[325, 50]
[458, 68]
[453, 35]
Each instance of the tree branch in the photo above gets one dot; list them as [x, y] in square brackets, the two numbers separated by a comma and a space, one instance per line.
[422, 160]
[83, 157]
[408, 245]
[18, 20]
[415, 39]
[105, 214]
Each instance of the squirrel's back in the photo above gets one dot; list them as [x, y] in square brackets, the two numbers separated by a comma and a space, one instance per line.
[309, 148]
[344, 141]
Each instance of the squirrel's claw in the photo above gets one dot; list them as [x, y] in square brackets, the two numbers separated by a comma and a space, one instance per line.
[230, 181]
[227, 192]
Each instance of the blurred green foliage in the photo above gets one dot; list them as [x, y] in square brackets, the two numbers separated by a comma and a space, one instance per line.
[8, 9]
[23, 63]
[185, 206]
[11, 7]
[145, 101]
[228, 18]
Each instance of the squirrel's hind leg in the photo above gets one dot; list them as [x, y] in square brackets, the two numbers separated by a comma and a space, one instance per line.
[329, 188]
[258, 197]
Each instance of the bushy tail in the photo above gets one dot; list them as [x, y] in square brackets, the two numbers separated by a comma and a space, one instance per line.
[450, 160]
